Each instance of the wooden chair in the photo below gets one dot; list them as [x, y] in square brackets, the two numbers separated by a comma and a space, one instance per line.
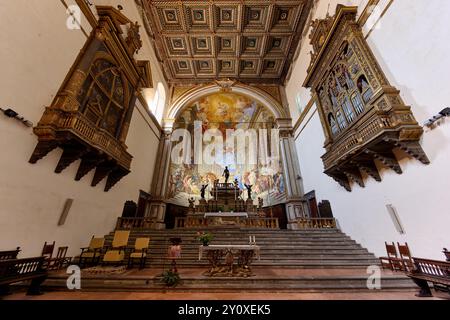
[407, 262]
[93, 252]
[47, 253]
[60, 261]
[116, 254]
[47, 250]
[392, 261]
[140, 251]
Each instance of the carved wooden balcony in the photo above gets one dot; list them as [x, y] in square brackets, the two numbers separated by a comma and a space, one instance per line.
[91, 113]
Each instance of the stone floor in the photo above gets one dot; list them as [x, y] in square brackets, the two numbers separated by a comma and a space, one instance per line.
[402, 295]
[348, 294]
[258, 272]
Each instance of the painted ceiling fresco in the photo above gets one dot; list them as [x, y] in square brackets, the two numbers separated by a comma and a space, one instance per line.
[226, 111]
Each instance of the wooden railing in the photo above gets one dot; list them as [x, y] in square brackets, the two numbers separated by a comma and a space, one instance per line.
[251, 222]
[83, 127]
[316, 223]
[9, 255]
[135, 223]
[426, 270]
[433, 268]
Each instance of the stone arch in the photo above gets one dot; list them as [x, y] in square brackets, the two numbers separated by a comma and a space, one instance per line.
[195, 93]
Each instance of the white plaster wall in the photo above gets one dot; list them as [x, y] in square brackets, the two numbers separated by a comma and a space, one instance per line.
[411, 45]
[37, 51]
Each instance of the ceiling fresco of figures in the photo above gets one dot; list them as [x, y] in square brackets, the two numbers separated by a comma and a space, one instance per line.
[226, 111]
[247, 40]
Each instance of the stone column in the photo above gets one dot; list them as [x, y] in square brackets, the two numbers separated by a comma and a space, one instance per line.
[157, 209]
[296, 207]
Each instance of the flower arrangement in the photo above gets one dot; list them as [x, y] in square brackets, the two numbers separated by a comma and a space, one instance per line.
[204, 237]
[171, 278]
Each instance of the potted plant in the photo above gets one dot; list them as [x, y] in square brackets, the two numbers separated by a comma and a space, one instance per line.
[171, 278]
[204, 237]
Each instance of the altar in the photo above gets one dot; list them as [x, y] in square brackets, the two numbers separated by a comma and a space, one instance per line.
[227, 268]
[226, 215]
[224, 219]
[226, 209]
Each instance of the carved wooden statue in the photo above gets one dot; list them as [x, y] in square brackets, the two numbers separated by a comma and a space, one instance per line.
[203, 191]
[226, 174]
[249, 190]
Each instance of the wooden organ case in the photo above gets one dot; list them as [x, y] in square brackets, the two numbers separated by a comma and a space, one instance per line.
[363, 116]
[90, 116]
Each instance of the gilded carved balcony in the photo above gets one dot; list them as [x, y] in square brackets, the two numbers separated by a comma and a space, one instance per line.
[363, 116]
[91, 113]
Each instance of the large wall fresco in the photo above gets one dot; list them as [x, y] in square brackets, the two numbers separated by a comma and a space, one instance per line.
[224, 111]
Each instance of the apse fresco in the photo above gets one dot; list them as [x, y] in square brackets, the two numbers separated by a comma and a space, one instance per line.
[226, 111]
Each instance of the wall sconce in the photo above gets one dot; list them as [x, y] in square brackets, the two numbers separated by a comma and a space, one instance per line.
[12, 114]
[431, 122]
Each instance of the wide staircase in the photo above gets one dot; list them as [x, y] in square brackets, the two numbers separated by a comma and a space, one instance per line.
[311, 260]
[321, 248]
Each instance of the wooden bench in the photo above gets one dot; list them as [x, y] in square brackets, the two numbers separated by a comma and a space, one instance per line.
[425, 270]
[16, 270]
[10, 254]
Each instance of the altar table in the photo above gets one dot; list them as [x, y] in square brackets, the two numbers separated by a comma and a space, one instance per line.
[244, 254]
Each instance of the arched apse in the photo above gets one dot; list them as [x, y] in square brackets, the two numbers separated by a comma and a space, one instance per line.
[197, 92]
[222, 111]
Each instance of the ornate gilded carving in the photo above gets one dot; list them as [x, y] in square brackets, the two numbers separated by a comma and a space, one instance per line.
[363, 116]
[133, 39]
[90, 115]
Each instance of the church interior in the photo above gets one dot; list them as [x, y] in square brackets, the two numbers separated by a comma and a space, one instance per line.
[229, 149]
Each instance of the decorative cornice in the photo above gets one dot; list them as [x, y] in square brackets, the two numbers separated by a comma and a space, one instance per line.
[342, 10]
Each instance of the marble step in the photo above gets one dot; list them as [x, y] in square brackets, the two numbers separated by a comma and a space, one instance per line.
[282, 261]
[241, 234]
[315, 248]
[246, 241]
[278, 257]
[281, 252]
[260, 283]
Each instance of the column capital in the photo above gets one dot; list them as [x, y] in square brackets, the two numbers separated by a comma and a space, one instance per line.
[168, 126]
[284, 123]
[285, 127]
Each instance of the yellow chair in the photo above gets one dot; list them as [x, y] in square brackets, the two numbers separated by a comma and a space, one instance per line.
[116, 253]
[140, 252]
[93, 252]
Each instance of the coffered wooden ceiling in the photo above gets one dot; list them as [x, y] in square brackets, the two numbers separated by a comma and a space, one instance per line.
[200, 41]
